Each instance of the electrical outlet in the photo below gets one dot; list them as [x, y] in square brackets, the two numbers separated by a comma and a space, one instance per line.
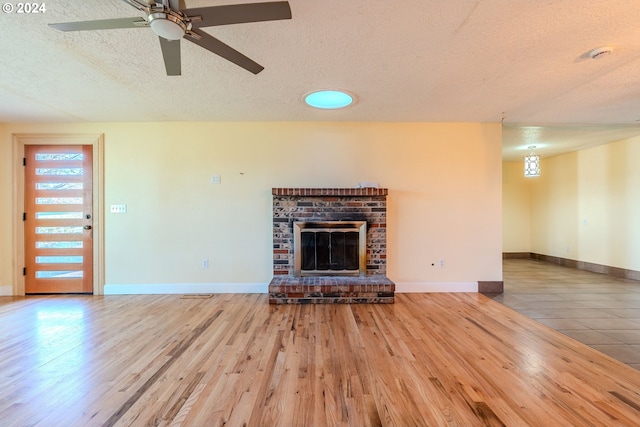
[215, 179]
[205, 263]
[441, 263]
[116, 209]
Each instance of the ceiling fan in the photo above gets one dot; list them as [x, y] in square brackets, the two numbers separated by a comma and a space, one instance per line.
[171, 21]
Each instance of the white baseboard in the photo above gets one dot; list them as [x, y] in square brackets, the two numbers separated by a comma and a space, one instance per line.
[409, 287]
[186, 288]
[6, 290]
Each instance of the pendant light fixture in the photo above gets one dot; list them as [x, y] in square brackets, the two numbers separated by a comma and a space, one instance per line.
[532, 163]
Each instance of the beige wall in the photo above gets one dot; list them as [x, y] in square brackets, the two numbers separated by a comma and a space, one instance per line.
[444, 200]
[584, 206]
[516, 208]
[554, 211]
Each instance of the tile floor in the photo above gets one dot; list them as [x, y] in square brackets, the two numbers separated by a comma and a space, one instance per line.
[595, 309]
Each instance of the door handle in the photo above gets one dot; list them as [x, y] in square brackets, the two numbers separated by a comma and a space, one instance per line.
[87, 227]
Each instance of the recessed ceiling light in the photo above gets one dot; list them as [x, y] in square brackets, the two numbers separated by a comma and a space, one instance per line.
[329, 99]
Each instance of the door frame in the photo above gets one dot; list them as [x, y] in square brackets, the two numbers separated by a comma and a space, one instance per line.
[97, 142]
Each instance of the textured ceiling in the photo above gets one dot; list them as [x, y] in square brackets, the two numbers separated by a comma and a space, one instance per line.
[409, 60]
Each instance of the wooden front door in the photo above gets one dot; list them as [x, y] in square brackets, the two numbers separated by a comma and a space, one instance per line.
[58, 221]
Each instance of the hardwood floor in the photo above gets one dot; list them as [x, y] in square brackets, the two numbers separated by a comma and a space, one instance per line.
[235, 360]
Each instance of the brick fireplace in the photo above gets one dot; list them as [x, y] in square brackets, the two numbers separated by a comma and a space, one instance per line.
[308, 205]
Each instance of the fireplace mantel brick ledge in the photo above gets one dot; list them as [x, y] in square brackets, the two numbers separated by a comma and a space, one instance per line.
[320, 192]
[330, 204]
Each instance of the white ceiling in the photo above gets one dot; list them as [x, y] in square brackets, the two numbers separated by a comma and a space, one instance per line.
[407, 61]
[552, 140]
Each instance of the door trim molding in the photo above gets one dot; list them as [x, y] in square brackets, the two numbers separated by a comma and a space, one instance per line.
[97, 142]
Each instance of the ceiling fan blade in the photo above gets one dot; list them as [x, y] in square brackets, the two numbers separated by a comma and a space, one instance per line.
[142, 5]
[230, 54]
[102, 24]
[239, 13]
[171, 55]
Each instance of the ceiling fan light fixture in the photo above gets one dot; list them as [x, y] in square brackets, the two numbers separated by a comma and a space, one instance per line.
[171, 21]
[329, 99]
[167, 26]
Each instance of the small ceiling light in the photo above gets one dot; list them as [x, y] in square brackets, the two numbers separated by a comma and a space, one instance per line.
[532, 163]
[167, 26]
[329, 99]
[600, 52]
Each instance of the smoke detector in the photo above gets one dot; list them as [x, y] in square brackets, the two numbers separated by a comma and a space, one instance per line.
[600, 52]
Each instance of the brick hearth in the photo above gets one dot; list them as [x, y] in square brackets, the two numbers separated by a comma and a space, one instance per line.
[331, 290]
[330, 204]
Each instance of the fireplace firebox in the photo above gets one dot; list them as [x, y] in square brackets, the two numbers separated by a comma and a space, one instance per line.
[329, 248]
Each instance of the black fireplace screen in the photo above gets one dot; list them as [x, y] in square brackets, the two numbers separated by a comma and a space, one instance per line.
[322, 250]
[334, 248]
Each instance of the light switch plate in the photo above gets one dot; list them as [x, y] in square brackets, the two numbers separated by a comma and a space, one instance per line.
[118, 208]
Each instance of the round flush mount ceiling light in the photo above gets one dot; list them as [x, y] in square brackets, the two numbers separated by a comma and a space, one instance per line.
[169, 27]
[329, 99]
[600, 52]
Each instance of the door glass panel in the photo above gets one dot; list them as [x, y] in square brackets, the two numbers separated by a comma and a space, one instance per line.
[308, 251]
[59, 171]
[58, 230]
[59, 274]
[337, 251]
[58, 200]
[323, 259]
[59, 259]
[59, 156]
[351, 250]
[59, 245]
[59, 215]
[59, 186]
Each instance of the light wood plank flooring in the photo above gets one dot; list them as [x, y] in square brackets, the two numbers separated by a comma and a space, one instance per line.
[234, 360]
